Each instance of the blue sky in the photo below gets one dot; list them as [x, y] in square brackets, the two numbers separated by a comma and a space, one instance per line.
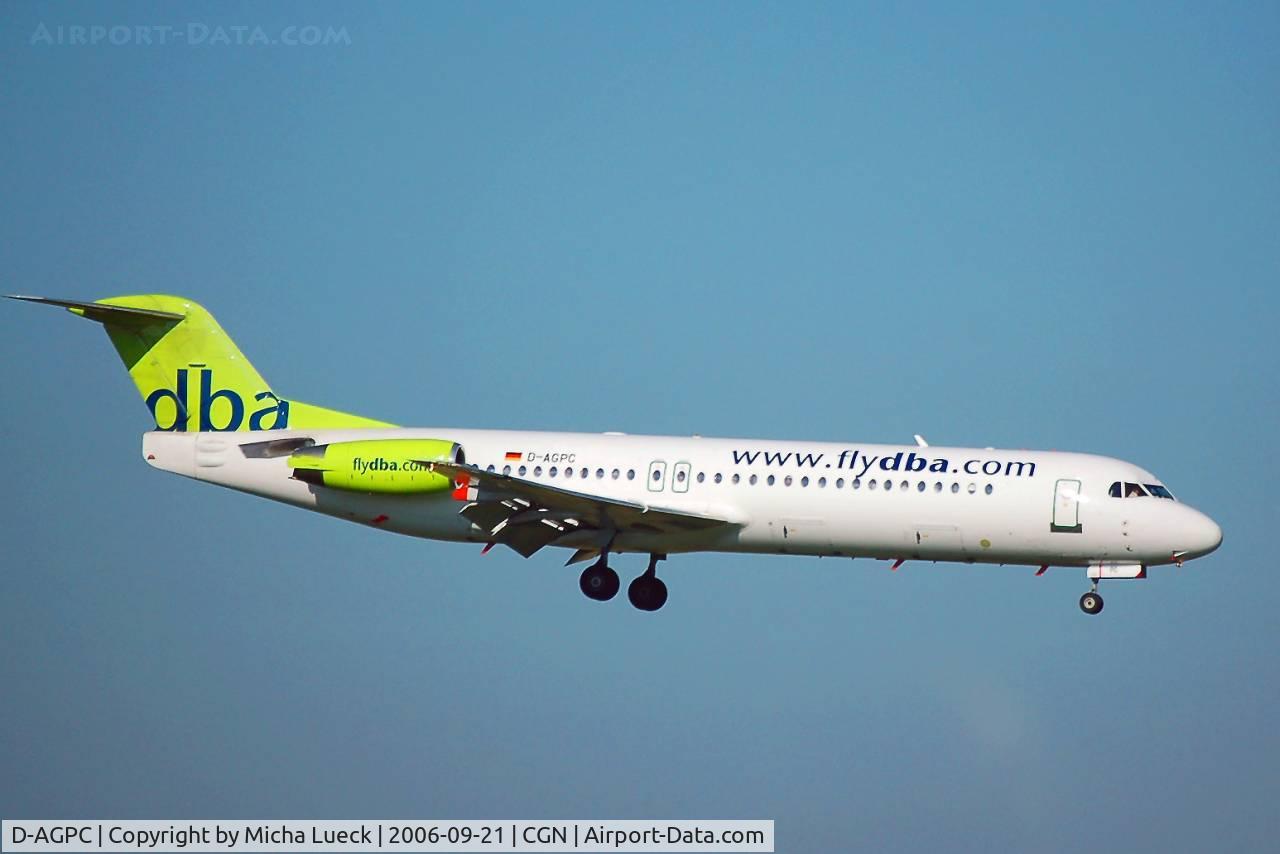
[1010, 226]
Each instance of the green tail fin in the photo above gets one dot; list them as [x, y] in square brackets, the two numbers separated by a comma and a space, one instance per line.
[191, 374]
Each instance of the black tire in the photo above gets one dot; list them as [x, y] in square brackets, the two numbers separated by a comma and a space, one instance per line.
[648, 593]
[599, 583]
[1091, 603]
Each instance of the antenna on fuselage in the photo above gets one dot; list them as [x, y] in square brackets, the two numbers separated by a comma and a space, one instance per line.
[920, 441]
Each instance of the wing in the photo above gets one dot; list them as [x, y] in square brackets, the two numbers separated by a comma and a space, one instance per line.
[527, 516]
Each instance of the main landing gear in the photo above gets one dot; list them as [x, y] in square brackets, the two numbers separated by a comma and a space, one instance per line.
[647, 592]
[1091, 602]
[601, 583]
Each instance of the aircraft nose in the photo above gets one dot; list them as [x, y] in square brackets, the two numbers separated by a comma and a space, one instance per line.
[1202, 535]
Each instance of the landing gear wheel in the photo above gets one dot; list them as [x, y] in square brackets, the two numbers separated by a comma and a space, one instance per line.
[1091, 603]
[647, 592]
[599, 582]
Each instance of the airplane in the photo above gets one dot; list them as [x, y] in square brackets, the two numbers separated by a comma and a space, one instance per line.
[218, 421]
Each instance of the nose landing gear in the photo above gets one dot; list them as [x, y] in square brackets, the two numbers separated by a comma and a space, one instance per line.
[1091, 602]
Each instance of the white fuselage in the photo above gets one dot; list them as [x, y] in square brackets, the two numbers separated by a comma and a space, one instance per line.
[808, 498]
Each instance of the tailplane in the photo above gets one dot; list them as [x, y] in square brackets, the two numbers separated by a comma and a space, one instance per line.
[190, 373]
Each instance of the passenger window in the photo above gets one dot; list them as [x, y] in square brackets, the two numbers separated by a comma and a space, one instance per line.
[599, 474]
[615, 474]
[506, 469]
[737, 478]
[771, 480]
[973, 487]
[787, 481]
[822, 483]
[920, 488]
[905, 485]
[490, 467]
[888, 485]
[871, 484]
[988, 490]
[718, 477]
[955, 487]
[537, 471]
[804, 481]
[754, 479]
[568, 472]
[937, 487]
[701, 477]
[523, 469]
[856, 483]
[553, 471]
[631, 474]
[839, 483]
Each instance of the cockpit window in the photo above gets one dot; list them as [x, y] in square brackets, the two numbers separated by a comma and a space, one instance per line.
[1159, 491]
[1129, 490]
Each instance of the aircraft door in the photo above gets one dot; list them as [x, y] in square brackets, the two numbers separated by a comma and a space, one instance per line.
[657, 475]
[1066, 508]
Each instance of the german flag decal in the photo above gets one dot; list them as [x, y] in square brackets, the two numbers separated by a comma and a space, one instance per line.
[513, 455]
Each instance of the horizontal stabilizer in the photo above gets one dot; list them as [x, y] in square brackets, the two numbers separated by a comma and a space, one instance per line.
[119, 315]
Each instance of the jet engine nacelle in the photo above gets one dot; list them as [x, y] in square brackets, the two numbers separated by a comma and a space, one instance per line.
[396, 466]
